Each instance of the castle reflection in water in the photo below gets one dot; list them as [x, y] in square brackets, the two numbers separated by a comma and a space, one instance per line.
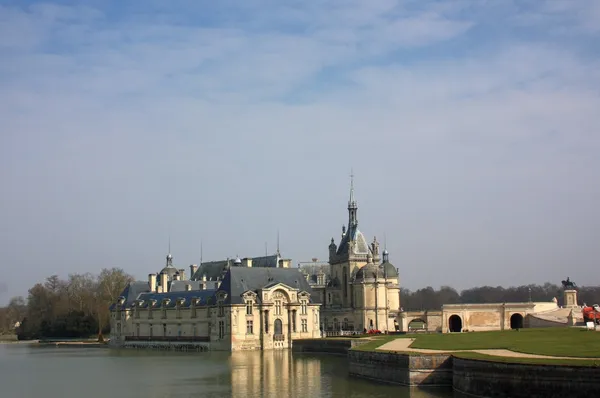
[287, 374]
[260, 373]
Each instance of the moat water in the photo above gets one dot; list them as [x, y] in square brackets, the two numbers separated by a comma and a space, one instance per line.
[33, 371]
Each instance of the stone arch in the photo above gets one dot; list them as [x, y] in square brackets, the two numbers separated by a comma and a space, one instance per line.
[417, 324]
[455, 324]
[278, 327]
[516, 321]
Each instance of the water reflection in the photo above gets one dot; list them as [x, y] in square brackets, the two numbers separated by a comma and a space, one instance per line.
[97, 373]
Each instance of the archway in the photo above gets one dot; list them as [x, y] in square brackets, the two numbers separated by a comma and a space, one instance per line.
[278, 326]
[417, 324]
[516, 321]
[455, 324]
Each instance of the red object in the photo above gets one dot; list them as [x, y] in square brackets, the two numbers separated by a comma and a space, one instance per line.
[591, 314]
[374, 331]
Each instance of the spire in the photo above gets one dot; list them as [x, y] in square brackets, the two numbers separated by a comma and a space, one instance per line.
[278, 241]
[352, 206]
[169, 256]
[201, 252]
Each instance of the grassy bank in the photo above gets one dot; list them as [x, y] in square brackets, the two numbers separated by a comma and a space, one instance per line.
[561, 342]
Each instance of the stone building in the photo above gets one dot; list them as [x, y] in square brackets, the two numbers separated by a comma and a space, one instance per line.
[359, 287]
[235, 306]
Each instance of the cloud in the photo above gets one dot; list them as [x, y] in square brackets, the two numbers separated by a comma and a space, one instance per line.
[471, 126]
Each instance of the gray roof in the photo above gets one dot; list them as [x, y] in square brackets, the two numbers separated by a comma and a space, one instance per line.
[353, 234]
[179, 286]
[389, 270]
[216, 269]
[242, 279]
[132, 291]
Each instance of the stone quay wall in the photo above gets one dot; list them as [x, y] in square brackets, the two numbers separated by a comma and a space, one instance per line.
[337, 346]
[405, 369]
[163, 345]
[482, 378]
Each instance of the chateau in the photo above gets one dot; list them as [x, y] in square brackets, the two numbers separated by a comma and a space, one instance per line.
[357, 292]
[251, 304]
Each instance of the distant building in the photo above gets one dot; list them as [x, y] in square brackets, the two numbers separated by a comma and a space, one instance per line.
[357, 291]
[251, 304]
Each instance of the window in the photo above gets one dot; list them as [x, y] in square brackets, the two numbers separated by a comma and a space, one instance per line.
[164, 313]
[164, 329]
[179, 330]
[119, 328]
[277, 307]
[221, 329]
[178, 311]
[304, 325]
[137, 313]
[249, 307]
[151, 330]
[345, 325]
[150, 311]
[194, 311]
[329, 298]
[249, 327]
[221, 309]
[294, 321]
[303, 308]
[194, 330]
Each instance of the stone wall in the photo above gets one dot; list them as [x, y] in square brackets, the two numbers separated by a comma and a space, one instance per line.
[404, 369]
[495, 379]
[331, 346]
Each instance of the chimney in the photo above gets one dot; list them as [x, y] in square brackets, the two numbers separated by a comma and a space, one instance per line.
[193, 269]
[152, 282]
[188, 287]
[164, 282]
[181, 274]
[176, 277]
[284, 263]
[247, 262]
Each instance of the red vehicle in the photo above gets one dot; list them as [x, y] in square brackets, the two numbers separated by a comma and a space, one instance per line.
[591, 314]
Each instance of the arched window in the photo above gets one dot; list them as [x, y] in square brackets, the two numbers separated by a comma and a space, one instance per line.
[278, 326]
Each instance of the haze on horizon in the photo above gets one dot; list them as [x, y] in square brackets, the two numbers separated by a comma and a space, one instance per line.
[472, 129]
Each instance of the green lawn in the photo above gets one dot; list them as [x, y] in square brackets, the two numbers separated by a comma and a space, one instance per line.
[534, 361]
[564, 342]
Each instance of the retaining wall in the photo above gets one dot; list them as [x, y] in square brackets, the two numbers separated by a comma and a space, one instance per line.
[494, 379]
[404, 369]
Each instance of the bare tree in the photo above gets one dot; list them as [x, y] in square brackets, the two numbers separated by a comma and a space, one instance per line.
[111, 283]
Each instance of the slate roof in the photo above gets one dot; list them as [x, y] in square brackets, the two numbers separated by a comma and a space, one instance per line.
[361, 247]
[216, 269]
[132, 291]
[179, 286]
[241, 279]
[212, 270]
[203, 295]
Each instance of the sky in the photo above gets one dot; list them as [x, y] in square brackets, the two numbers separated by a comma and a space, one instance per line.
[471, 127]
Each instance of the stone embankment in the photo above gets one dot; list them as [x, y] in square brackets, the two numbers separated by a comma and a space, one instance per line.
[338, 346]
[471, 377]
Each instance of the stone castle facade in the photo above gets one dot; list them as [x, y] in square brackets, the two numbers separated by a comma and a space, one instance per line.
[251, 304]
[359, 287]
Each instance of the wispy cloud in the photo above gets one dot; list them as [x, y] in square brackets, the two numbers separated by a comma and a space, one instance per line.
[472, 126]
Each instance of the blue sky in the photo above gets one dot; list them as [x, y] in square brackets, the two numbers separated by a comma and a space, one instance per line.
[471, 127]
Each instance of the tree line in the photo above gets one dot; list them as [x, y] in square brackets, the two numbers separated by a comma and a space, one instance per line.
[431, 299]
[59, 308]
